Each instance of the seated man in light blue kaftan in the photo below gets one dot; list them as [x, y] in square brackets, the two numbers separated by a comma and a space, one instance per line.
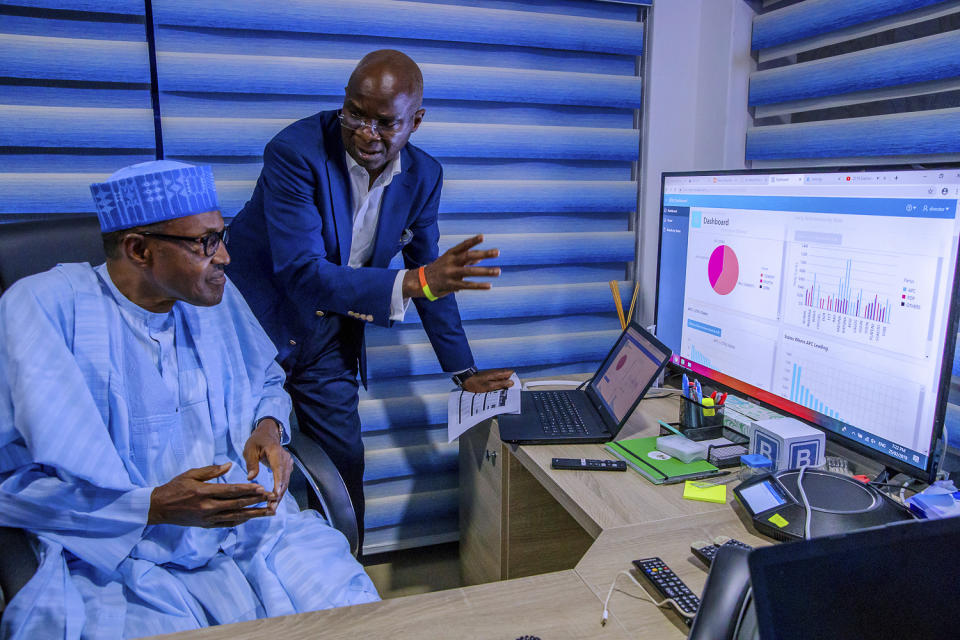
[140, 434]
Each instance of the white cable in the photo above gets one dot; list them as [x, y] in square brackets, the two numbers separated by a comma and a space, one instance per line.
[941, 474]
[606, 612]
[543, 383]
[661, 392]
[902, 489]
[808, 513]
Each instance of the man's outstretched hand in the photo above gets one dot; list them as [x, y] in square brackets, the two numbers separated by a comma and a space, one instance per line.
[263, 445]
[448, 273]
[189, 500]
[488, 380]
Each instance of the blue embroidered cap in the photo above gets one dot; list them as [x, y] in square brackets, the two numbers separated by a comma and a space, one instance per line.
[153, 191]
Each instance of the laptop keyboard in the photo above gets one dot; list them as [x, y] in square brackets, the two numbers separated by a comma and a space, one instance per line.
[558, 414]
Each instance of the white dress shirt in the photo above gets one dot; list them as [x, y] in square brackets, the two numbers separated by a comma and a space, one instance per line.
[366, 214]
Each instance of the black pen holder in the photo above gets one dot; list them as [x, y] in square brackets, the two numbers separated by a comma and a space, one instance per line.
[696, 415]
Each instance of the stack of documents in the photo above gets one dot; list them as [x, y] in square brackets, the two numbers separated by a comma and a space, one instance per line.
[465, 409]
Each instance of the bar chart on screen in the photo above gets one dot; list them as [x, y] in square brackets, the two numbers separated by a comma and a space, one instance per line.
[696, 356]
[857, 396]
[867, 296]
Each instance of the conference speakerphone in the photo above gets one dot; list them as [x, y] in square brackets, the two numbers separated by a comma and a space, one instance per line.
[838, 504]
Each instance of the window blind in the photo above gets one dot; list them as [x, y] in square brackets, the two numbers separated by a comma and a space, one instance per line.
[856, 81]
[75, 102]
[530, 107]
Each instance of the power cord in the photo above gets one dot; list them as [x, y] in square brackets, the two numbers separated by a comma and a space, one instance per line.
[606, 612]
[903, 487]
[661, 392]
[808, 513]
[808, 509]
[544, 383]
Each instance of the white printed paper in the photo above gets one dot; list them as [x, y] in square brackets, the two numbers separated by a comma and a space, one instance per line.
[465, 409]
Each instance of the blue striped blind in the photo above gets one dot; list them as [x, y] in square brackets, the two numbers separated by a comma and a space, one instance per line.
[854, 81]
[858, 82]
[74, 104]
[530, 107]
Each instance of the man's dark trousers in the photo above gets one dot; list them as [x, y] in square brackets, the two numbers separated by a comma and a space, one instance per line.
[322, 382]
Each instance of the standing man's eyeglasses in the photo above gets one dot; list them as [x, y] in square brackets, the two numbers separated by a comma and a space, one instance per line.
[211, 241]
[381, 128]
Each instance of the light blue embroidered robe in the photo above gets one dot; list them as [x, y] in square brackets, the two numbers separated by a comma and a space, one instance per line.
[90, 424]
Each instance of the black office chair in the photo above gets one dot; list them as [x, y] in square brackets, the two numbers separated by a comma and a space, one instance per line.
[32, 247]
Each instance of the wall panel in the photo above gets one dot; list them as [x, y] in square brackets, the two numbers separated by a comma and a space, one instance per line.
[74, 102]
[847, 82]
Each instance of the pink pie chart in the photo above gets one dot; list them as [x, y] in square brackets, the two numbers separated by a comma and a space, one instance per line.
[723, 269]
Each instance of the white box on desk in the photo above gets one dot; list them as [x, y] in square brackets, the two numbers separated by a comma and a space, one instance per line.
[737, 421]
[788, 442]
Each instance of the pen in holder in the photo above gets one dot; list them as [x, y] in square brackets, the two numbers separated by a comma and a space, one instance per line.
[695, 415]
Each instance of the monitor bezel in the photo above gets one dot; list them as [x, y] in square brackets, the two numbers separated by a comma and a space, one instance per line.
[926, 474]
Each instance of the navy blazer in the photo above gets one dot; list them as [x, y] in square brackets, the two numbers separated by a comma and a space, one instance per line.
[290, 244]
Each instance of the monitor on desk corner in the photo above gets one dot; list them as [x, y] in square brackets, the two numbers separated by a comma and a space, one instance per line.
[827, 294]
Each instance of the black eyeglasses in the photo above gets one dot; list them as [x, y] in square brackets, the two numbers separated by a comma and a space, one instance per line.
[210, 241]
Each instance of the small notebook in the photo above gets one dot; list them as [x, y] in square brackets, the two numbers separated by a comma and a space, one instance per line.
[656, 466]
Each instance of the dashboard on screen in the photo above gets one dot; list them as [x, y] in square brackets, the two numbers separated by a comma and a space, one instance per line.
[829, 295]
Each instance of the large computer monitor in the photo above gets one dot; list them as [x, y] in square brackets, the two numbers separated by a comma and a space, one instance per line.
[827, 294]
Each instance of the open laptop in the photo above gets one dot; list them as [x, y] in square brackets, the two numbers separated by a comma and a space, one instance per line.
[597, 413]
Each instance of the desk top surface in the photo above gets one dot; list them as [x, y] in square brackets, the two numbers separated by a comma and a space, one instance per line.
[607, 500]
[670, 540]
[554, 605]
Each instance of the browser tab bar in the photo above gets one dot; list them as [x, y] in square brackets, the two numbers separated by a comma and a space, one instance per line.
[789, 178]
[735, 179]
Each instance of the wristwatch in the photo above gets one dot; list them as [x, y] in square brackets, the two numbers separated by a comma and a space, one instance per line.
[460, 378]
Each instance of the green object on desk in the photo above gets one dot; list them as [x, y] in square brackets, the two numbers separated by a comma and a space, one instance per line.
[656, 466]
[705, 492]
[670, 428]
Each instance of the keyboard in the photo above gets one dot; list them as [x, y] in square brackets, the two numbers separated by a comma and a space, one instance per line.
[558, 414]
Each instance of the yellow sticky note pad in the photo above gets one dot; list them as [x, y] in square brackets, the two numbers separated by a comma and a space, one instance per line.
[778, 520]
[694, 490]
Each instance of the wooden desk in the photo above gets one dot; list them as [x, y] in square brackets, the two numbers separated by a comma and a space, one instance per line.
[670, 539]
[558, 606]
[520, 517]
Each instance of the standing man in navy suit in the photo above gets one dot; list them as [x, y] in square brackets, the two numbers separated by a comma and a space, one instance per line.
[340, 194]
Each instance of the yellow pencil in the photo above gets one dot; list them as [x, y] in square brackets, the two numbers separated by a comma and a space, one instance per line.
[633, 300]
[615, 289]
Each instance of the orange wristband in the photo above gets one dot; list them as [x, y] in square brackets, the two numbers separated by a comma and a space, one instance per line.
[425, 286]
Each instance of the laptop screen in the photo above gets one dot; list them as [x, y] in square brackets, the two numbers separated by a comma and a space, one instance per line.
[628, 371]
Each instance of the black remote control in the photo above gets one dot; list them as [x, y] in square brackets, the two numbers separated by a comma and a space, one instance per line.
[668, 585]
[707, 552]
[584, 464]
